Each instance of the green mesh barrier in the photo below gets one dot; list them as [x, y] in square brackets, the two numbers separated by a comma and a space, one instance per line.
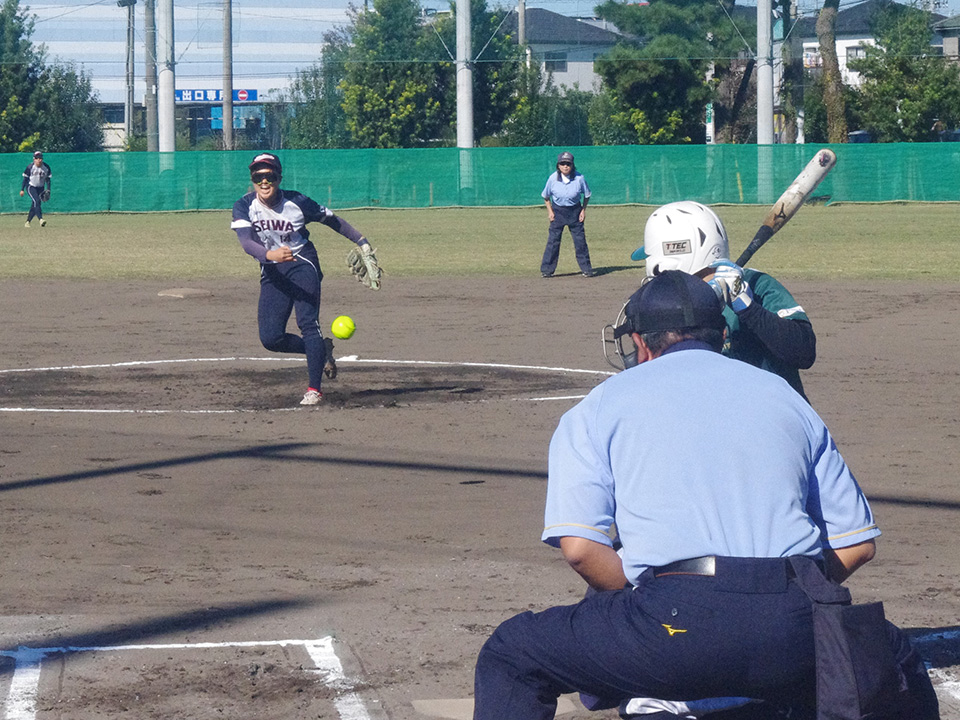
[448, 177]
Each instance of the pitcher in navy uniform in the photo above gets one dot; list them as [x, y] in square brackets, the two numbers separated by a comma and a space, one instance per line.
[271, 225]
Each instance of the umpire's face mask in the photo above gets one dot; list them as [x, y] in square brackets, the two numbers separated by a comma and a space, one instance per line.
[619, 349]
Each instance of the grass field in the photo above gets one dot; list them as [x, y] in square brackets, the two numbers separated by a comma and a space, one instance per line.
[897, 241]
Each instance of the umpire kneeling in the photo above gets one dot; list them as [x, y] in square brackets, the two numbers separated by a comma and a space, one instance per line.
[738, 521]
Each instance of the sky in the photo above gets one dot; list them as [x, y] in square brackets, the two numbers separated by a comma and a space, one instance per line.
[271, 40]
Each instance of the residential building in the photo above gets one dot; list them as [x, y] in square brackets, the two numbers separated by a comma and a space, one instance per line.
[566, 47]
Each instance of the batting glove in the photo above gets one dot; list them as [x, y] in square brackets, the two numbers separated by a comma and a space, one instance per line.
[729, 285]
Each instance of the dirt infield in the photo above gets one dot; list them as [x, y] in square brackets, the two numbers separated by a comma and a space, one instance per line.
[182, 539]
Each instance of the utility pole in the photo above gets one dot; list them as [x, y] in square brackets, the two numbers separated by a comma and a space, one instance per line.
[521, 23]
[128, 100]
[227, 75]
[464, 77]
[150, 76]
[166, 85]
[764, 72]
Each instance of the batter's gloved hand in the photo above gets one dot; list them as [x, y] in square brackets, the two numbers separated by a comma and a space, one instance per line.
[729, 285]
[364, 265]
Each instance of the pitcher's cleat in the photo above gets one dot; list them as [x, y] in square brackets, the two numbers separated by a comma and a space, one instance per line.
[27, 224]
[43, 223]
[312, 397]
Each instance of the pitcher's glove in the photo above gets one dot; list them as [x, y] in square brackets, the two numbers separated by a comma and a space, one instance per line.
[45, 195]
[363, 263]
[330, 364]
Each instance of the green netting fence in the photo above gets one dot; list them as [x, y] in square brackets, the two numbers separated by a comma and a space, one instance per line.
[451, 177]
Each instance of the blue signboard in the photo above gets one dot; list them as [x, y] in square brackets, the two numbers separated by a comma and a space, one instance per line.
[213, 96]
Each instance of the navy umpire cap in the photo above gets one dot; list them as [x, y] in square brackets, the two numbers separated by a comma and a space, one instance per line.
[673, 300]
[266, 160]
[565, 157]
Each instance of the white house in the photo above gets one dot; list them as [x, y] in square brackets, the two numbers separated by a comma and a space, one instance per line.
[853, 31]
[566, 47]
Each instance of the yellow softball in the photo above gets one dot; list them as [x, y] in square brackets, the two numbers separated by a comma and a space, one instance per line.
[343, 327]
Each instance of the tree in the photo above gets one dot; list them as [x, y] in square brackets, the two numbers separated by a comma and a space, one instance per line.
[815, 125]
[391, 96]
[831, 80]
[68, 116]
[41, 106]
[657, 83]
[543, 115]
[907, 93]
[312, 112]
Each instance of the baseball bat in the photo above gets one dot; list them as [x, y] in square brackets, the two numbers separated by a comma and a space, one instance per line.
[787, 204]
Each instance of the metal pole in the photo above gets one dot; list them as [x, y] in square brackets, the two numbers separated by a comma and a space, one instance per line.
[150, 75]
[166, 81]
[521, 23]
[227, 75]
[128, 104]
[464, 77]
[764, 72]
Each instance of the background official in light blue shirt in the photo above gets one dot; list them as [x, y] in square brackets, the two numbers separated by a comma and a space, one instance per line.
[566, 195]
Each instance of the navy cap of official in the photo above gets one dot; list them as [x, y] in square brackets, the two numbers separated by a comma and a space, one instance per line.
[266, 160]
[565, 157]
[673, 300]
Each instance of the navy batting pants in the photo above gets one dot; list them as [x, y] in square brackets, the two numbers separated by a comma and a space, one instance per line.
[747, 632]
[36, 206]
[293, 287]
[565, 217]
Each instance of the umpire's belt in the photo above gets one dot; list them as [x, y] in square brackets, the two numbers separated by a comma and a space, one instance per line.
[733, 574]
[706, 565]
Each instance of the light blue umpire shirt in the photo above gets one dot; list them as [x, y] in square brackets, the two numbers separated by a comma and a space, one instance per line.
[695, 454]
[567, 191]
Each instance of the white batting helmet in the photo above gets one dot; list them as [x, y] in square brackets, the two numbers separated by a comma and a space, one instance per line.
[683, 236]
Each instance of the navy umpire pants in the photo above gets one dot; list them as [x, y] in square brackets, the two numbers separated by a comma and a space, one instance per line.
[747, 632]
[293, 287]
[565, 217]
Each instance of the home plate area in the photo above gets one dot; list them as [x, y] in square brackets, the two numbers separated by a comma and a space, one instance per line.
[297, 678]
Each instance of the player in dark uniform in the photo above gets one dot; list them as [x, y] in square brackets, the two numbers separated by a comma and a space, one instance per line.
[36, 181]
[766, 326]
[271, 225]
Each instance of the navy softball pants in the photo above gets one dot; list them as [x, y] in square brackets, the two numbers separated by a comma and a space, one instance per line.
[293, 287]
[565, 217]
[746, 632]
[36, 206]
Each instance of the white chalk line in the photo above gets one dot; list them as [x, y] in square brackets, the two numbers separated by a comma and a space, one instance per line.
[21, 701]
[345, 359]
